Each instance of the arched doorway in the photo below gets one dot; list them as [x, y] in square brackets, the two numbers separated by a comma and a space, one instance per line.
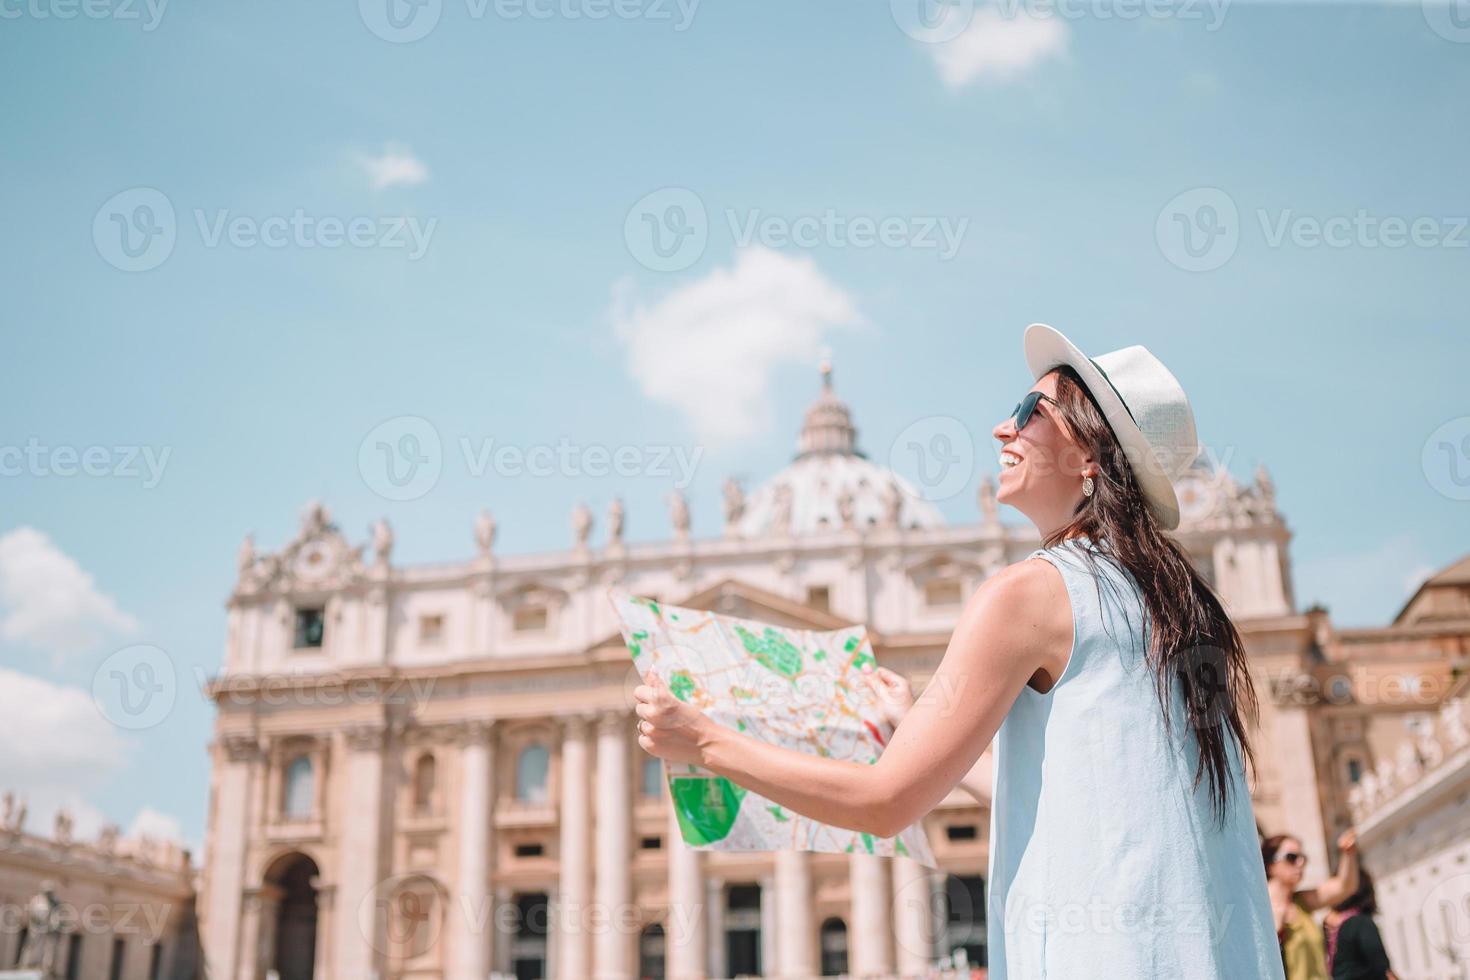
[293, 954]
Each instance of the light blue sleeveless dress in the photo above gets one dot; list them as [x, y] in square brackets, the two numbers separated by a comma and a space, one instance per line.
[1105, 861]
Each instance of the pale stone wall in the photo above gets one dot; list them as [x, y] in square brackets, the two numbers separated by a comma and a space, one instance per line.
[140, 893]
[1414, 832]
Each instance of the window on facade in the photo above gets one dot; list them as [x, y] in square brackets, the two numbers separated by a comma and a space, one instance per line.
[651, 952]
[431, 629]
[1354, 771]
[531, 769]
[423, 784]
[530, 619]
[310, 623]
[73, 955]
[300, 795]
[650, 843]
[119, 956]
[834, 948]
[964, 917]
[962, 831]
[819, 597]
[155, 962]
[530, 850]
[651, 777]
[945, 592]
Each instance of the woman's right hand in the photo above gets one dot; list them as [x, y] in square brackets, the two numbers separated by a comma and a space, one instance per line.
[895, 695]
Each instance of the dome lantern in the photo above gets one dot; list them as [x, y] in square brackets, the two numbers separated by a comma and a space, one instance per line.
[827, 428]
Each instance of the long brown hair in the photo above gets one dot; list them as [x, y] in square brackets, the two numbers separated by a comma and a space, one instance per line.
[1191, 637]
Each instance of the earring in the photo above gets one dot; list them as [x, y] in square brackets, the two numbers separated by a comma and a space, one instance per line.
[1087, 486]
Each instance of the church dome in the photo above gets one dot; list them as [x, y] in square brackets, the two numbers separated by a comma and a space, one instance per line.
[829, 476]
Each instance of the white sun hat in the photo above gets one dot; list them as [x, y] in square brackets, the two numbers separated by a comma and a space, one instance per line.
[1143, 403]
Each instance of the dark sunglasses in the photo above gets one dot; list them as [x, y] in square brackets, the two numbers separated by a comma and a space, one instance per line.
[1292, 857]
[1026, 407]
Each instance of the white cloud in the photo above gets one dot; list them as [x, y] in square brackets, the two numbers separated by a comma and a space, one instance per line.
[158, 826]
[395, 166]
[1364, 588]
[996, 44]
[48, 601]
[709, 348]
[55, 750]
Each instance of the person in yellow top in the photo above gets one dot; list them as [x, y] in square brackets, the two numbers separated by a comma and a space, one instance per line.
[1303, 949]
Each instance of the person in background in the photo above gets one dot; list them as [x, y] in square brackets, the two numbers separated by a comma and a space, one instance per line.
[1303, 949]
[1354, 947]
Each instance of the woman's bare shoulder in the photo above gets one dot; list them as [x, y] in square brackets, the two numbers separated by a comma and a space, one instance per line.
[1026, 602]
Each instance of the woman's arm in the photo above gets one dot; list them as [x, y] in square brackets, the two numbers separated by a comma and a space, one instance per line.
[1340, 885]
[895, 700]
[1018, 621]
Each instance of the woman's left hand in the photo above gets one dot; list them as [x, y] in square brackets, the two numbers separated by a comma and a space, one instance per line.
[1348, 842]
[667, 727]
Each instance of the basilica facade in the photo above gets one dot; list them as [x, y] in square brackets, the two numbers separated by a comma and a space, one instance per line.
[431, 771]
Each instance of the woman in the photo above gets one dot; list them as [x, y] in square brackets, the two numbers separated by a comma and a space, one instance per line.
[1354, 946]
[1303, 949]
[1121, 840]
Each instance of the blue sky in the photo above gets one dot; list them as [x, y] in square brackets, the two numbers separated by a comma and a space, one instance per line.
[1067, 155]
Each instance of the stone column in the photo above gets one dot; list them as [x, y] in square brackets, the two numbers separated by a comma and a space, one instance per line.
[576, 867]
[796, 932]
[684, 927]
[359, 934]
[769, 938]
[714, 925]
[912, 917]
[253, 960]
[868, 933]
[471, 919]
[326, 964]
[235, 757]
[616, 935]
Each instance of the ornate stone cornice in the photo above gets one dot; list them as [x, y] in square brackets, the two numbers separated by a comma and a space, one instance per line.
[242, 747]
[477, 731]
[365, 736]
[1417, 761]
[577, 723]
[615, 719]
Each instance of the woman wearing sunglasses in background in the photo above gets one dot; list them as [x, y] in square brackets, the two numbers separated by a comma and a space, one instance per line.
[1122, 842]
[1303, 948]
